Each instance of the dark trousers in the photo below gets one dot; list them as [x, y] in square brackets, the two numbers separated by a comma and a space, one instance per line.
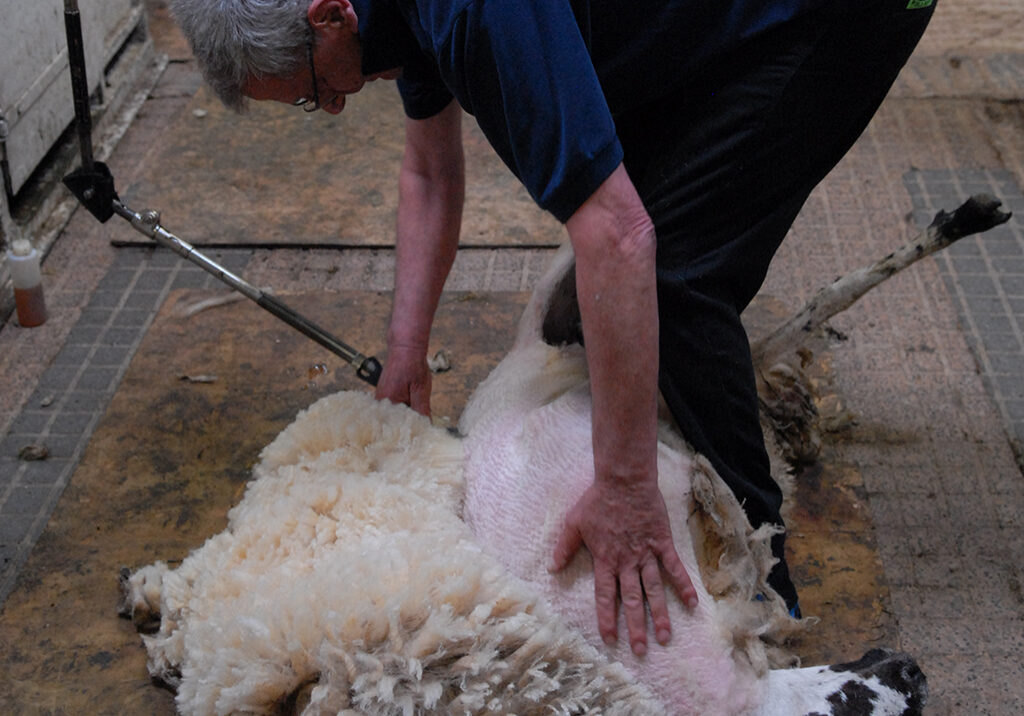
[723, 167]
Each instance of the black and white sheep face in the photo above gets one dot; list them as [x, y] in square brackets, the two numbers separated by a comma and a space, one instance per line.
[880, 682]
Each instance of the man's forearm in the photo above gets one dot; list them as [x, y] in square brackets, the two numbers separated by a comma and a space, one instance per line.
[428, 233]
[615, 251]
[431, 192]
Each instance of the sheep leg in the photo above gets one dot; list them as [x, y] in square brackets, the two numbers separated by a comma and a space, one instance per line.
[141, 597]
[977, 214]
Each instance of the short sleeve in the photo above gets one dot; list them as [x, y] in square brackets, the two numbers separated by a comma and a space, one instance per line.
[423, 92]
[523, 70]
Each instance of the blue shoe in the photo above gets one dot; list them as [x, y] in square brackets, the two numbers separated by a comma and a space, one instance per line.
[793, 612]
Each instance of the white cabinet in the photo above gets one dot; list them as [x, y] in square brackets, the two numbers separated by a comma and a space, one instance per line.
[35, 83]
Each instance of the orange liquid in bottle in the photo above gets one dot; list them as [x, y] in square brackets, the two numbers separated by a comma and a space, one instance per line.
[30, 306]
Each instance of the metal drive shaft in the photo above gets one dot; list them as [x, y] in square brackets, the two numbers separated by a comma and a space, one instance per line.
[148, 223]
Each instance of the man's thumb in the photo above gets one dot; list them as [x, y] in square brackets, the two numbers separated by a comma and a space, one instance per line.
[568, 544]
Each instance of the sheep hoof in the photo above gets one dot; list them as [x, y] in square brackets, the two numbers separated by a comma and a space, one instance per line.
[140, 596]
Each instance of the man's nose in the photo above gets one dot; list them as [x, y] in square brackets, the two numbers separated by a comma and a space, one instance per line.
[335, 105]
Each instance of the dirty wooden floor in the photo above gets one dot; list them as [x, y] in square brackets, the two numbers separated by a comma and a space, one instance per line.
[921, 480]
[322, 180]
[172, 454]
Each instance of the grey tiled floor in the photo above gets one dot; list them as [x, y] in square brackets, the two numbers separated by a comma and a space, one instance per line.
[985, 276]
[73, 393]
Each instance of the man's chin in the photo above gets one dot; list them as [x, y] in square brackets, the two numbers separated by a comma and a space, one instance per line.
[392, 74]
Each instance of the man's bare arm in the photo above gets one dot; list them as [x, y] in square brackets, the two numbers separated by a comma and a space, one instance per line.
[622, 518]
[431, 194]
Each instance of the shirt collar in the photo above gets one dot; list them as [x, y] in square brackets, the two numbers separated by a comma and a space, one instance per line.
[385, 38]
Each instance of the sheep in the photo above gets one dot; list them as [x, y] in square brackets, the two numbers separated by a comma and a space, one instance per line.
[378, 564]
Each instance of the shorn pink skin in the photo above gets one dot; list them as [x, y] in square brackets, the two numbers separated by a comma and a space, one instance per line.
[529, 457]
[527, 466]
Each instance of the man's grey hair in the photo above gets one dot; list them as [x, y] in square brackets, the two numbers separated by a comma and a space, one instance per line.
[234, 40]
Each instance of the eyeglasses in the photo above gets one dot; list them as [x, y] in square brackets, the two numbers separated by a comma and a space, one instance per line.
[310, 104]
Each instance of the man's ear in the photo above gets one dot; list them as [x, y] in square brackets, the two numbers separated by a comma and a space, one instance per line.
[332, 15]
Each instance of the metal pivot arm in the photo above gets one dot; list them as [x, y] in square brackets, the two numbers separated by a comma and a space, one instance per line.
[367, 368]
[79, 84]
[92, 183]
[94, 188]
[148, 223]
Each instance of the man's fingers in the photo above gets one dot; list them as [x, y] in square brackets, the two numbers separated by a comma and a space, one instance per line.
[633, 605]
[655, 591]
[626, 565]
[678, 576]
[419, 399]
[605, 590]
[568, 544]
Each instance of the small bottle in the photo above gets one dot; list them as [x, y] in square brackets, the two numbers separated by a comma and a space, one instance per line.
[23, 262]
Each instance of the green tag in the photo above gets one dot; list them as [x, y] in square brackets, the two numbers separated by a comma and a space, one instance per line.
[918, 4]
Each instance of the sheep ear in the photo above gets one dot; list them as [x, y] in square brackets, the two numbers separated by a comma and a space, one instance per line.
[563, 324]
[554, 281]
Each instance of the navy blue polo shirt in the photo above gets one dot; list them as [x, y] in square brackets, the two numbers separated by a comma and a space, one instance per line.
[545, 78]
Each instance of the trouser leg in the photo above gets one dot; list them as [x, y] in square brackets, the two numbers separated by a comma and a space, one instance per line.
[723, 167]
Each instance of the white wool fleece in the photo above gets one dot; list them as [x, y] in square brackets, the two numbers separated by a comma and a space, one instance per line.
[347, 566]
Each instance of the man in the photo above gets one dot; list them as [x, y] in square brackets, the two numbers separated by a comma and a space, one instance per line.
[676, 139]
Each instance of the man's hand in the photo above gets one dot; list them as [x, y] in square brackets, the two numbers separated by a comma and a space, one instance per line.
[622, 517]
[627, 532]
[406, 378]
